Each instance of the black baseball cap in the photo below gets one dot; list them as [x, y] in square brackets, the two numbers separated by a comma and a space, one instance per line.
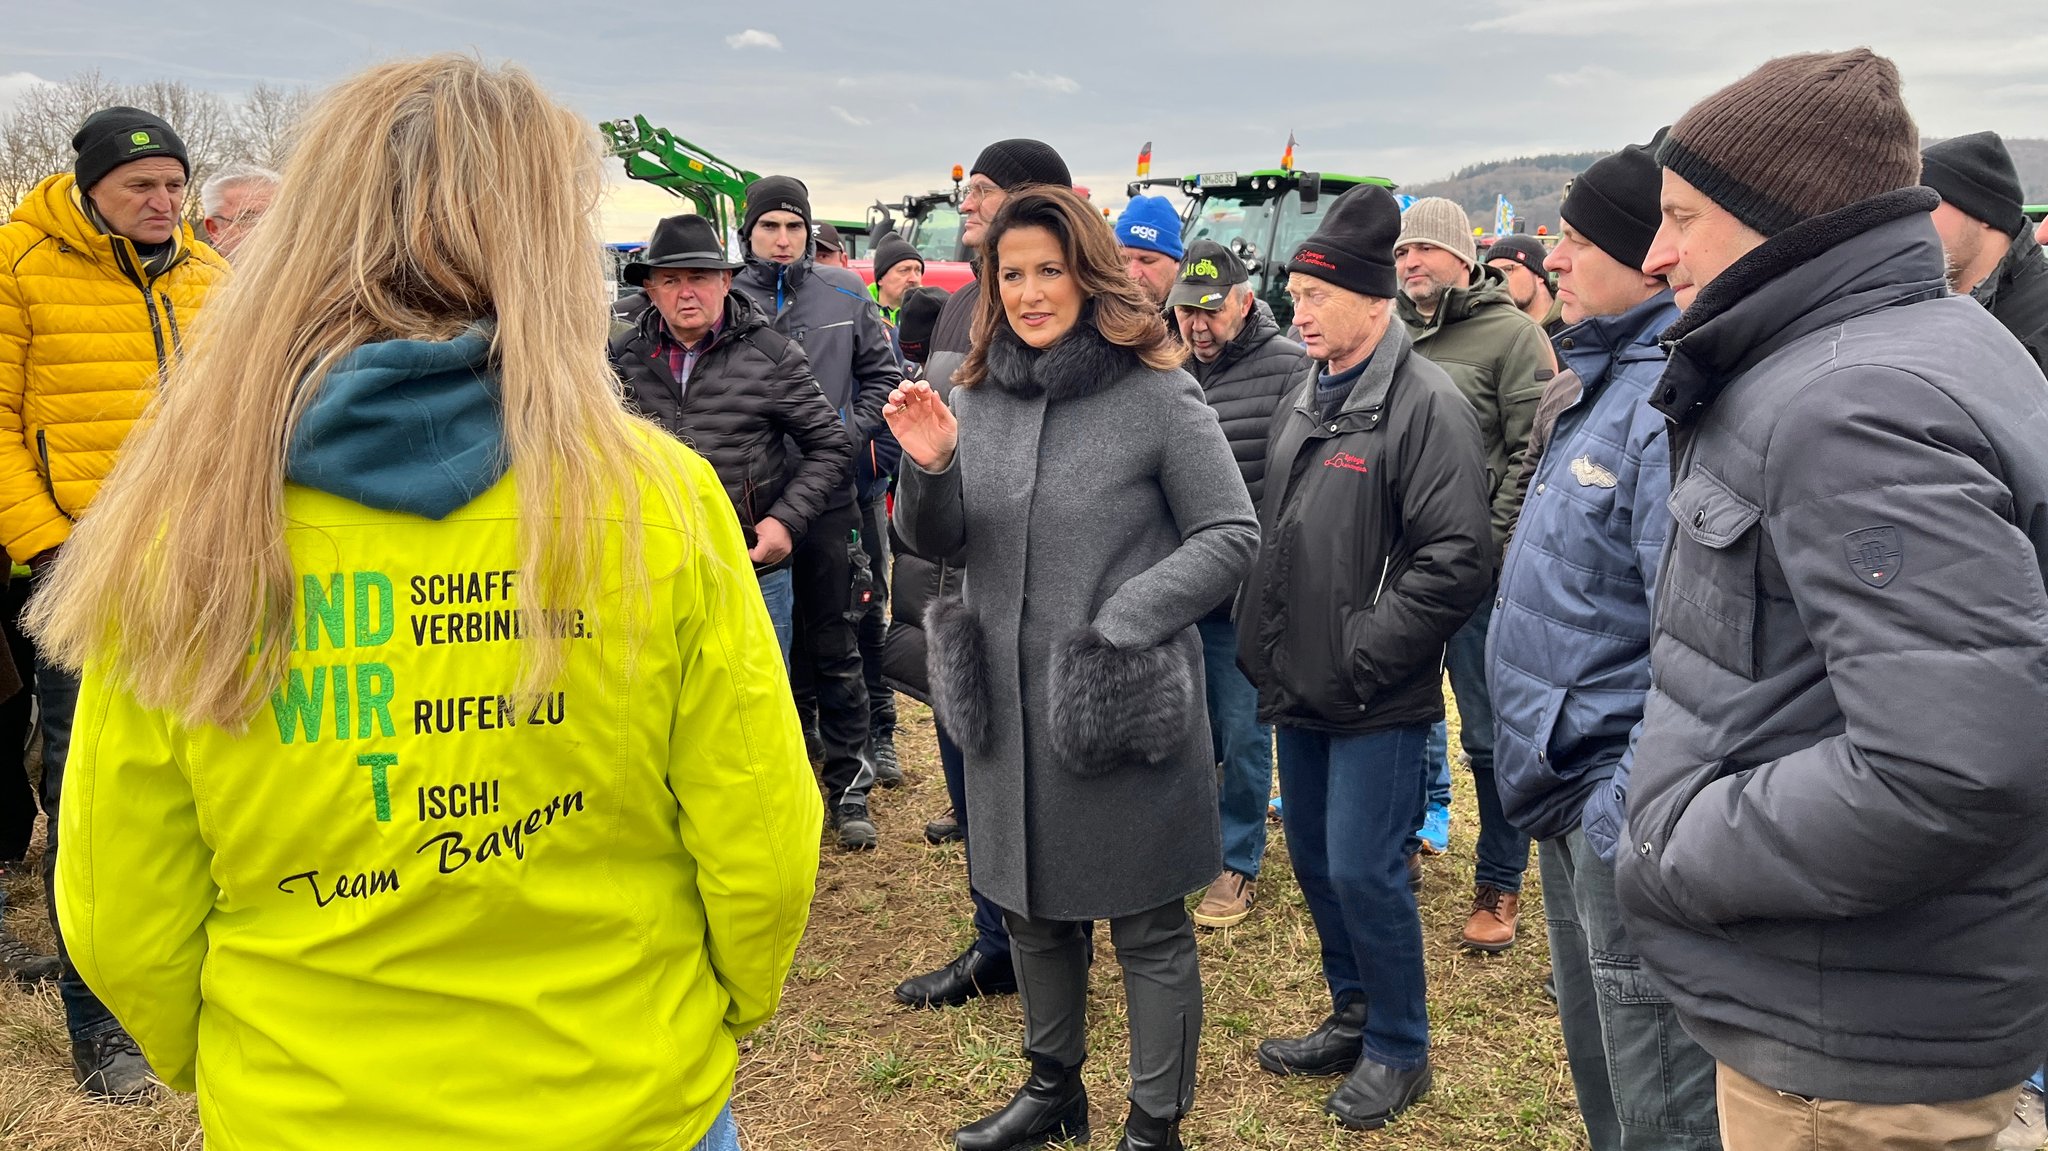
[1207, 273]
[828, 238]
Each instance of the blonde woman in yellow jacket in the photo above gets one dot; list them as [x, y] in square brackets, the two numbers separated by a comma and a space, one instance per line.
[435, 781]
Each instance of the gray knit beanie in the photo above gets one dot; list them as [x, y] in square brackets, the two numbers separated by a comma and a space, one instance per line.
[1441, 223]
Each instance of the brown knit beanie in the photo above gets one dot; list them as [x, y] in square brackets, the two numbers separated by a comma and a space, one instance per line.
[1799, 137]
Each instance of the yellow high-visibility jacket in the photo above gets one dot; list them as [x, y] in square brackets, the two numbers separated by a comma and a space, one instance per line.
[405, 910]
[85, 336]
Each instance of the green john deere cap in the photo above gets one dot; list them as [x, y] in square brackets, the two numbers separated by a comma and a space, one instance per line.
[1207, 273]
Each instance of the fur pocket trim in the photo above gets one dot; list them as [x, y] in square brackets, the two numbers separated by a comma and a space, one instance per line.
[956, 661]
[1113, 708]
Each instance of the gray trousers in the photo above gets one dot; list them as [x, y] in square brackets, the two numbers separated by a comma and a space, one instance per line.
[1642, 1083]
[1162, 986]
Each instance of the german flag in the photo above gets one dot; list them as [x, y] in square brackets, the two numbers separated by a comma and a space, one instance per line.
[1287, 157]
[1145, 159]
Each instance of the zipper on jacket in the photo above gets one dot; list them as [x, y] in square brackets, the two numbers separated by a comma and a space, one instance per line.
[171, 314]
[50, 481]
[156, 328]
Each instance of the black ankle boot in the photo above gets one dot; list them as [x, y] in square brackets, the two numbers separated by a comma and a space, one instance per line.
[1051, 1106]
[1331, 1049]
[1144, 1133]
[1374, 1093]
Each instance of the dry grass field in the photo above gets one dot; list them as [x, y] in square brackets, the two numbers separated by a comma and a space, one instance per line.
[843, 1067]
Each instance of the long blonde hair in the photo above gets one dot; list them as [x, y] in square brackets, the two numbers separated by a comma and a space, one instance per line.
[422, 197]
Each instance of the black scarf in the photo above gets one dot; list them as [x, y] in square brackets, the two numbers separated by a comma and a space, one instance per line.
[1078, 363]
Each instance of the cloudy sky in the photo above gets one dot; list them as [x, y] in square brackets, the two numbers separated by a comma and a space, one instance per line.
[867, 101]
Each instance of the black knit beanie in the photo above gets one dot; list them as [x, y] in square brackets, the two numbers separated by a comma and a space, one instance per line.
[1015, 163]
[775, 194]
[1353, 248]
[916, 319]
[1975, 173]
[1525, 250]
[1613, 204]
[892, 251]
[112, 137]
[1800, 137]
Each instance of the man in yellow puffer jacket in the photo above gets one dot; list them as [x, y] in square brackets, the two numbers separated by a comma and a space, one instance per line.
[99, 281]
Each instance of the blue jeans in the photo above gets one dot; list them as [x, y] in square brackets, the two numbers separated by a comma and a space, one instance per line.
[1243, 745]
[1503, 848]
[991, 934]
[778, 589]
[1436, 758]
[1353, 803]
[1642, 1083]
[724, 1134]
[57, 699]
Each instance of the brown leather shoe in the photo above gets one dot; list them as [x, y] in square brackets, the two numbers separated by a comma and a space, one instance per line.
[1491, 926]
[1228, 901]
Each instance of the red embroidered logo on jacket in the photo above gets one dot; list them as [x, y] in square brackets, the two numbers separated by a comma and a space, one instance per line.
[1347, 461]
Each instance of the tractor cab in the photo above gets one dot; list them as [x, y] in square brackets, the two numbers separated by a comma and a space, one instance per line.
[1260, 216]
[931, 222]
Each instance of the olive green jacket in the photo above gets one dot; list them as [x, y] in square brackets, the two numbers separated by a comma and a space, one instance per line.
[1501, 360]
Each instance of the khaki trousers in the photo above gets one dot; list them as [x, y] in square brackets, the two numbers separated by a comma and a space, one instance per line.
[1756, 1118]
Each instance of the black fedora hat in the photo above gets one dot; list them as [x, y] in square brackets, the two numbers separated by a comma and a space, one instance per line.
[680, 242]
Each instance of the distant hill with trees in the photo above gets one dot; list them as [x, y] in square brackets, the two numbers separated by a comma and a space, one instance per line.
[1535, 184]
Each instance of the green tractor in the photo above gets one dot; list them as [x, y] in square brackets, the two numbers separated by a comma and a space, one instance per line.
[716, 188]
[1260, 216]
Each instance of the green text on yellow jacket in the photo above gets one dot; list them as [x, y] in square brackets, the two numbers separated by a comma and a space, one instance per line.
[402, 911]
[85, 334]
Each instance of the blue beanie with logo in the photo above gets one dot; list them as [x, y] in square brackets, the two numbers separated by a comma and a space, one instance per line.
[1150, 222]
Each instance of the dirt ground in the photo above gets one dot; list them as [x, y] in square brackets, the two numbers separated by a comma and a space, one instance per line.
[843, 1067]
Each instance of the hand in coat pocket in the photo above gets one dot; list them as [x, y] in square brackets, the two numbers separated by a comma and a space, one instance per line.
[1113, 707]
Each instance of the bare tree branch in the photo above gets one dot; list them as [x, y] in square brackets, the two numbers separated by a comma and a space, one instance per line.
[35, 136]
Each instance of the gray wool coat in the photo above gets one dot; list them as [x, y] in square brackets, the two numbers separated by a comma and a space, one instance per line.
[1097, 512]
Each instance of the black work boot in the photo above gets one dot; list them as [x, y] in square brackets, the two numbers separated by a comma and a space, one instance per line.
[27, 965]
[1331, 1049]
[856, 828]
[1051, 1106]
[1144, 1133]
[882, 749]
[1374, 1093]
[111, 1067]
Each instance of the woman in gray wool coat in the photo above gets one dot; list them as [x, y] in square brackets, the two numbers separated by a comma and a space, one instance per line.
[1090, 497]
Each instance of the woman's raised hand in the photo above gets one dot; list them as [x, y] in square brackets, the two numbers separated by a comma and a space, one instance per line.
[923, 424]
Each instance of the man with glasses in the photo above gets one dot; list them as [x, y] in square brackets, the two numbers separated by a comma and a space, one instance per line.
[1520, 259]
[232, 201]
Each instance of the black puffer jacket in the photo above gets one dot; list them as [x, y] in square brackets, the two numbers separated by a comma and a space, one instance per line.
[1246, 384]
[2017, 295]
[749, 398]
[828, 311]
[1376, 549]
